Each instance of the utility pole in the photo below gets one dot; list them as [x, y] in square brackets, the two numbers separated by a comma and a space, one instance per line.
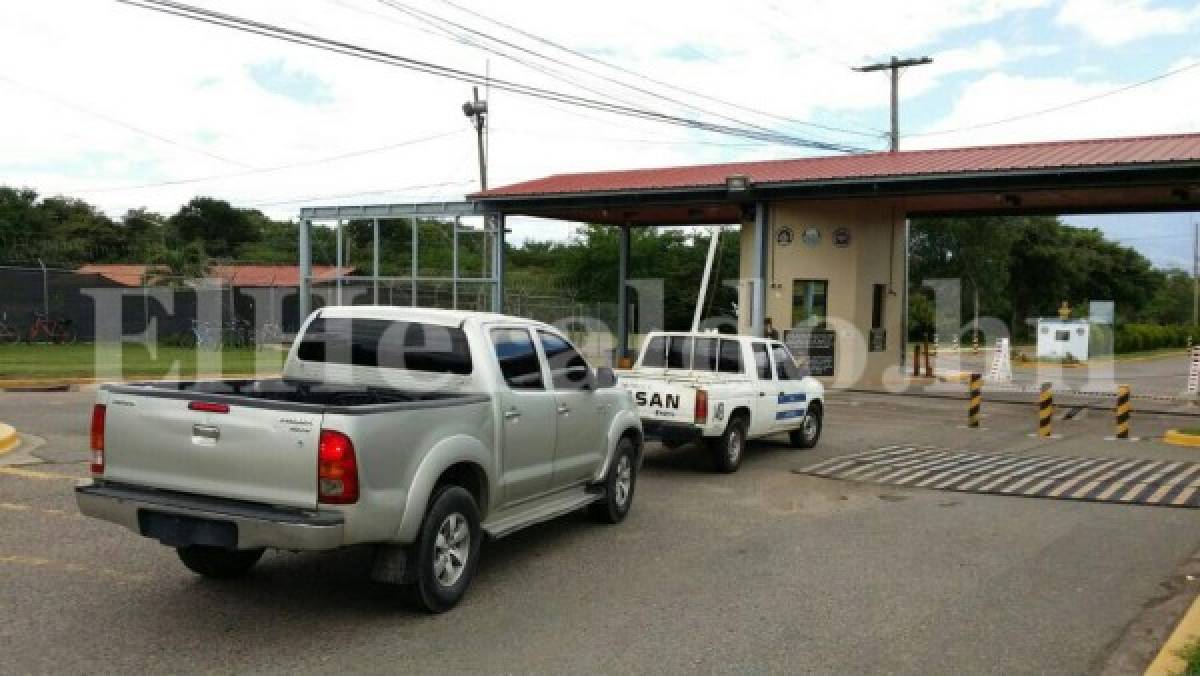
[477, 110]
[894, 65]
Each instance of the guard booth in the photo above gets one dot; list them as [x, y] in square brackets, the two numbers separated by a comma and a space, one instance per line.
[823, 240]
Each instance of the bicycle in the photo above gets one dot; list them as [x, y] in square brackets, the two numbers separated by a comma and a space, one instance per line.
[8, 334]
[53, 330]
[268, 334]
[205, 337]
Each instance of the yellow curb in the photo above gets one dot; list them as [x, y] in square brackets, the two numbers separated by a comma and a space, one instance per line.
[1050, 364]
[34, 474]
[1188, 630]
[9, 439]
[1178, 438]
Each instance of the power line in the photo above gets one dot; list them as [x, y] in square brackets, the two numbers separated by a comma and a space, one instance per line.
[433, 19]
[281, 167]
[120, 123]
[661, 83]
[311, 198]
[335, 46]
[1062, 106]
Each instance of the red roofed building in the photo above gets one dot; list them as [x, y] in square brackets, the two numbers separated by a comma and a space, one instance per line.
[230, 275]
[823, 239]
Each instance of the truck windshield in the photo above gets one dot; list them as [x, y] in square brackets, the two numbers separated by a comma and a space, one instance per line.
[383, 343]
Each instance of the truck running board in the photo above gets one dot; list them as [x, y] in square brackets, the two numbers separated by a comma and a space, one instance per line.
[547, 508]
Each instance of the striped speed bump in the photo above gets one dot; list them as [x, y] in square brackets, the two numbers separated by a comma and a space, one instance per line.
[1134, 481]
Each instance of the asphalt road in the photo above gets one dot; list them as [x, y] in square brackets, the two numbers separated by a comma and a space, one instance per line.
[761, 571]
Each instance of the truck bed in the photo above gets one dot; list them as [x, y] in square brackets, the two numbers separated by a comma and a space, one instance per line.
[285, 394]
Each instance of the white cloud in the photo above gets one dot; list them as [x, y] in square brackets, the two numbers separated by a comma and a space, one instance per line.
[192, 83]
[1116, 22]
[998, 96]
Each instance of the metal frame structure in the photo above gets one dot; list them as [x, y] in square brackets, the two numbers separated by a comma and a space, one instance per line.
[413, 213]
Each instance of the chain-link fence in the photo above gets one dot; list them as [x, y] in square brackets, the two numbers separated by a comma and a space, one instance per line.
[209, 311]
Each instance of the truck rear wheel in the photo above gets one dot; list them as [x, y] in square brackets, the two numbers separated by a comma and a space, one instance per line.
[810, 429]
[447, 551]
[618, 485]
[217, 562]
[727, 449]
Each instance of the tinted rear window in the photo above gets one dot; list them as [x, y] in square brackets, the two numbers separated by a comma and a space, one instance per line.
[655, 355]
[731, 357]
[388, 344]
[679, 355]
[706, 355]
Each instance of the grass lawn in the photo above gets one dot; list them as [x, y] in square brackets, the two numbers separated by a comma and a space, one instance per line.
[78, 361]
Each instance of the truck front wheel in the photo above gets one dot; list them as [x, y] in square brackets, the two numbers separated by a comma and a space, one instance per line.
[810, 429]
[447, 551]
[618, 485]
[218, 562]
[727, 449]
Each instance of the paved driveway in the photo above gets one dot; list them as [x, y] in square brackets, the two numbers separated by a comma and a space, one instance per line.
[762, 571]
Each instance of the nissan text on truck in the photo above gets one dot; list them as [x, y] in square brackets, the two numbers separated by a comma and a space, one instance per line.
[418, 431]
[723, 390]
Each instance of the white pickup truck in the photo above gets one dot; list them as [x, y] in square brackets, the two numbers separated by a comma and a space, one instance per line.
[417, 431]
[723, 390]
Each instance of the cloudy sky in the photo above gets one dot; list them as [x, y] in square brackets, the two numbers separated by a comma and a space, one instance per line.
[127, 108]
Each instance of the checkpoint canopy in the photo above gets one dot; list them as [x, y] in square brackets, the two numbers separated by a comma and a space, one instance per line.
[824, 239]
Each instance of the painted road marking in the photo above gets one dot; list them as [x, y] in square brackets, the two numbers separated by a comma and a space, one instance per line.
[37, 474]
[1116, 480]
[14, 507]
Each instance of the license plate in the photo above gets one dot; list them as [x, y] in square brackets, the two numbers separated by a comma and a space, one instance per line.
[175, 530]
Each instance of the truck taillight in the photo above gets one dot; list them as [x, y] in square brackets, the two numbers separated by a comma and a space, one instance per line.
[337, 469]
[97, 438]
[701, 414]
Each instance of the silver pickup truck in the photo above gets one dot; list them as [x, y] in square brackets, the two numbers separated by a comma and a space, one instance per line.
[417, 431]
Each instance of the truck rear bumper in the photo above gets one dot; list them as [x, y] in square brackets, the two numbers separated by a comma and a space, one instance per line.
[252, 525]
[671, 431]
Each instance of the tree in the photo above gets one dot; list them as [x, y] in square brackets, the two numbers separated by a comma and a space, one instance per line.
[217, 224]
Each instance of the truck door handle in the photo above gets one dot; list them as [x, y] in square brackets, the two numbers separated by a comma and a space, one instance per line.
[762, 394]
[512, 414]
[563, 410]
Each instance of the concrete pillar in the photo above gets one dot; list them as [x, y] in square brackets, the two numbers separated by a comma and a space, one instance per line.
[622, 294]
[305, 246]
[758, 268]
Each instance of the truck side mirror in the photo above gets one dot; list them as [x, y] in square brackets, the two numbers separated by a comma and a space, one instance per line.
[605, 378]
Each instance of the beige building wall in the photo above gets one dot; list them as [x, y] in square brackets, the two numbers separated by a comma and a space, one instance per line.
[874, 255]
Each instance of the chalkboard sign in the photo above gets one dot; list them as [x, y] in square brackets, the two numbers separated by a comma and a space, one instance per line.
[813, 348]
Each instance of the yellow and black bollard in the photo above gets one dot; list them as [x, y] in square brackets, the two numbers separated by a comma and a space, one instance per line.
[1124, 409]
[1045, 410]
[975, 399]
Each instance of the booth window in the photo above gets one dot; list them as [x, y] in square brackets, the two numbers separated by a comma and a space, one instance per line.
[810, 302]
[878, 293]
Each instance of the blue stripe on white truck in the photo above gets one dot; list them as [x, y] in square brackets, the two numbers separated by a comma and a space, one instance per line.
[785, 398]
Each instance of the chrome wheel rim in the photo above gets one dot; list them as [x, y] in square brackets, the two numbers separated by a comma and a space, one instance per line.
[810, 427]
[624, 483]
[734, 449]
[451, 549]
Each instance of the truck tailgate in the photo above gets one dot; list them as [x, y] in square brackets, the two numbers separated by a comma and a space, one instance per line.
[253, 453]
[661, 399]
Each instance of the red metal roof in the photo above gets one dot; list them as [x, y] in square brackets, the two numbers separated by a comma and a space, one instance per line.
[233, 275]
[909, 163]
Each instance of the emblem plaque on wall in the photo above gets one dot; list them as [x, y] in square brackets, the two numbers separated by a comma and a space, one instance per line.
[784, 236]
